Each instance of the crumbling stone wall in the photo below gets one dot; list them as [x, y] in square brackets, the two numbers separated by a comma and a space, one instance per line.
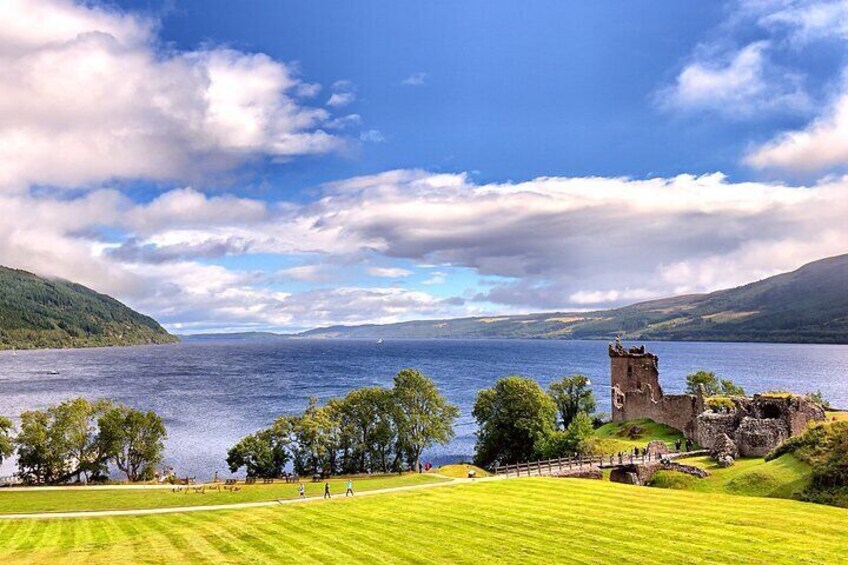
[636, 391]
[709, 427]
[756, 425]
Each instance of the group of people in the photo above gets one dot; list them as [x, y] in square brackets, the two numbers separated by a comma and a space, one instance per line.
[348, 492]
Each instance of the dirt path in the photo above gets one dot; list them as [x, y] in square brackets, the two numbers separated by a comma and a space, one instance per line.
[233, 506]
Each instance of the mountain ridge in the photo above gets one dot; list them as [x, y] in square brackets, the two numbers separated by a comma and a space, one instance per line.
[807, 305]
[38, 312]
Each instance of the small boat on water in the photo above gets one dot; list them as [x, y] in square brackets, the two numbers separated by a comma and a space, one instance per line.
[379, 342]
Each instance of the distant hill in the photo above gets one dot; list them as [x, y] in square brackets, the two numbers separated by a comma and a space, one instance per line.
[37, 312]
[235, 336]
[809, 305]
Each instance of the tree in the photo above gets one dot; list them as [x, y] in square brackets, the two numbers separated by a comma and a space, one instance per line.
[62, 442]
[316, 435]
[263, 454]
[7, 446]
[424, 417]
[580, 433]
[134, 440]
[515, 419]
[572, 396]
[712, 385]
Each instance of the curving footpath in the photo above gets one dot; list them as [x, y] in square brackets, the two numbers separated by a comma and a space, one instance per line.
[233, 506]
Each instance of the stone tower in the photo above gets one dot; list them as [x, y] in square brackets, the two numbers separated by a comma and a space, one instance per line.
[632, 370]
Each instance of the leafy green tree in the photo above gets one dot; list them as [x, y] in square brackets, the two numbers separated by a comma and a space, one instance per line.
[7, 445]
[424, 417]
[262, 454]
[316, 435]
[62, 442]
[572, 396]
[712, 385]
[364, 419]
[729, 388]
[580, 433]
[134, 440]
[515, 419]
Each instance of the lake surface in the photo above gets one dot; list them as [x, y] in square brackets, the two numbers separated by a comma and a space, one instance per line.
[211, 393]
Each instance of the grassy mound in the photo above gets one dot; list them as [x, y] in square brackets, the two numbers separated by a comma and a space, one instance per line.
[624, 436]
[534, 520]
[460, 471]
[784, 477]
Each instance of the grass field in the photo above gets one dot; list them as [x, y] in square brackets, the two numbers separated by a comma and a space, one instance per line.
[73, 499]
[779, 478]
[541, 520]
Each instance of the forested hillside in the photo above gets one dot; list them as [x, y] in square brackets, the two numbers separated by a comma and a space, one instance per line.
[36, 312]
[809, 305]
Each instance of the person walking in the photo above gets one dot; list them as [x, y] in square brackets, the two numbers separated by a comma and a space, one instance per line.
[301, 490]
[349, 491]
[327, 490]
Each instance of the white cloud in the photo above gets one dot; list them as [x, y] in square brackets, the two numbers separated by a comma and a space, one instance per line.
[372, 136]
[415, 79]
[89, 94]
[820, 145]
[391, 272]
[344, 93]
[743, 84]
[547, 243]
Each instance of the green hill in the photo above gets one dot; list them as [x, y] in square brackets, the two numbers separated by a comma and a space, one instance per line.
[36, 312]
[809, 305]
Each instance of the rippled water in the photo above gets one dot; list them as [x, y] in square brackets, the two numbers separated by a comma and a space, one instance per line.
[213, 393]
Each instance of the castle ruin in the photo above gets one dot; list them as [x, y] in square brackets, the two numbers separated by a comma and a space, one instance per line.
[756, 425]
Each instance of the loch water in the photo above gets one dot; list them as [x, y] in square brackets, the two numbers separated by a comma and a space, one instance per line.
[211, 393]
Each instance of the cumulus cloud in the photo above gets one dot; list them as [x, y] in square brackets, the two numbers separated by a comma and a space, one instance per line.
[88, 94]
[820, 145]
[741, 84]
[777, 72]
[546, 243]
[344, 93]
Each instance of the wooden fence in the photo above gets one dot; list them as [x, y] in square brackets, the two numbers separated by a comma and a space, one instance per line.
[567, 464]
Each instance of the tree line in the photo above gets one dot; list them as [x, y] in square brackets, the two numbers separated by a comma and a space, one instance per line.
[78, 439]
[372, 429]
[519, 421]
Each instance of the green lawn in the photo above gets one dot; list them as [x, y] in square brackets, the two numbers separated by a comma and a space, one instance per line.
[780, 478]
[122, 499]
[615, 437]
[532, 520]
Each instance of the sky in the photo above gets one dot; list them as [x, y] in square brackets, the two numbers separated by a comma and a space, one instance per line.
[281, 165]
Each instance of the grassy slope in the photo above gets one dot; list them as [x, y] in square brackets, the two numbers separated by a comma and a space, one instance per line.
[513, 521]
[120, 499]
[614, 437]
[779, 478]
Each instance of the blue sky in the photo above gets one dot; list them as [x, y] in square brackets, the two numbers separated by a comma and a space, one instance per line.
[283, 165]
